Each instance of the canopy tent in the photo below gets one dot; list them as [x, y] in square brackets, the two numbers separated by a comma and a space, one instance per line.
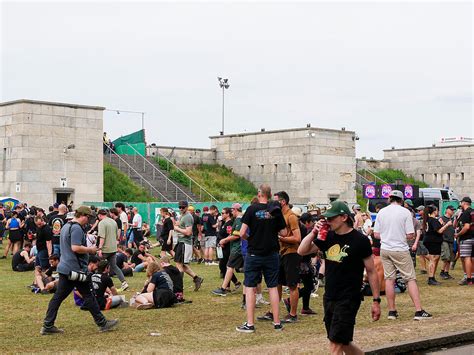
[135, 140]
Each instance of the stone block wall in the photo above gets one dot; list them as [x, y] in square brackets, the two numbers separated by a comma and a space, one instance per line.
[309, 163]
[184, 156]
[443, 166]
[33, 140]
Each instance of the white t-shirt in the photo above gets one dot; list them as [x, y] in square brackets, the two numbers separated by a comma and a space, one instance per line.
[366, 226]
[123, 218]
[393, 223]
[137, 221]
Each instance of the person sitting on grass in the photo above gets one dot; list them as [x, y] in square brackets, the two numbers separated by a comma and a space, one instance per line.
[158, 290]
[176, 276]
[122, 260]
[104, 289]
[21, 260]
[45, 282]
[92, 266]
[140, 258]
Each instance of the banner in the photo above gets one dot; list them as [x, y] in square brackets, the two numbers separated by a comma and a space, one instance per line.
[135, 139]
[371, 191]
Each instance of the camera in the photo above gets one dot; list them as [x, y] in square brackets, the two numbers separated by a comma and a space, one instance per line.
[77, 276]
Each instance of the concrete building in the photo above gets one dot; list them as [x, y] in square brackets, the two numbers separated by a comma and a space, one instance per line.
[309, 163]
[51, 152]
[439, 166]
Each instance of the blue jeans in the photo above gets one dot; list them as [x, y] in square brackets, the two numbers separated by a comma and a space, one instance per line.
[56, 249]
[255, 265]
[42, 259]
[139, 267]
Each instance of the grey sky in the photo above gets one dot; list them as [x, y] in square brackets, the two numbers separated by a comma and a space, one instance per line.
[399, 74]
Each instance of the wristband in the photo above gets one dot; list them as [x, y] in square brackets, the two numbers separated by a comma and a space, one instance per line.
[378, 300]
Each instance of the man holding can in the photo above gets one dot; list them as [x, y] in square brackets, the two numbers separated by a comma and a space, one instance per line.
[347, 253]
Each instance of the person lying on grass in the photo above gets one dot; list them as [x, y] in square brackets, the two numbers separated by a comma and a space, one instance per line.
[158, 289]
[45, 281]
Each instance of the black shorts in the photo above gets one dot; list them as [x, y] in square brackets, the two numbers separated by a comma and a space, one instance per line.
[196, 242]
[433, 248]
[236, 261]
[15, 236]
[340, 319]
[25, 267]
[183, 253]
[163, 298]
[289, 274]
[137, 236]
[165, 246]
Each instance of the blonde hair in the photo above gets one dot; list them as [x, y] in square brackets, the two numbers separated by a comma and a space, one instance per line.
[152, 268]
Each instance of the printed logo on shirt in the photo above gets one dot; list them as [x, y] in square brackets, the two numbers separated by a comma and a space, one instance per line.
[262, 214]
[335, 253]
[57, 227]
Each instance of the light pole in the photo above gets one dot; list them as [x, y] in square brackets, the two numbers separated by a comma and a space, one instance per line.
[140, 112]
[223, 84]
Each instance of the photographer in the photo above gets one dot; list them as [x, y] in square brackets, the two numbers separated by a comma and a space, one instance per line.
[72, 273]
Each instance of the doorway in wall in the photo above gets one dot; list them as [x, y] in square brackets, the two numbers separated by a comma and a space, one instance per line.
[63, 195]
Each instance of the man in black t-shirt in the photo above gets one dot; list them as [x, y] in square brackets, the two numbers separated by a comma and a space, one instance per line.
[56, 223]
[347, 253]
[465, 238]
[176, 276]
[21, 260]
[209, 222]
[103, 286]
[43, 243]
[265, 222]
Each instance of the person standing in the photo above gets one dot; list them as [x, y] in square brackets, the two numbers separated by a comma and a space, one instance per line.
[108, 235]
[447, 248]
[124, 219]
[183, 251]
[56, 222]
[347, 253]
[465, 237]
[44, 246]
[394, 225]
[265, 221]
[72, 271]
[137, 223]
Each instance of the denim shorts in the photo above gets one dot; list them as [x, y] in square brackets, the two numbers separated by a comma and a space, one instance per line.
[255, 265]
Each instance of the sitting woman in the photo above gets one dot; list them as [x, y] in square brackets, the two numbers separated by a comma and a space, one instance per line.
[104, 289]
[158, 289]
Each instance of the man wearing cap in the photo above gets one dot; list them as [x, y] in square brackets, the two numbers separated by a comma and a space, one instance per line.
[347, 253]
[183, 251]
[358, 220]
[394, 225]
[447, 250]
[71, 269]
[418, 246]
[465, 237]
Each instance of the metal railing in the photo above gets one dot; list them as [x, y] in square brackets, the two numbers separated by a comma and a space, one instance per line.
[155, 169]
[111, 152]
[190, 179]
[370, 173]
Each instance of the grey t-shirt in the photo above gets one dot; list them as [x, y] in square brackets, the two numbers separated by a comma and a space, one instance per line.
[185, 221]
[448, 234]
[72, 234]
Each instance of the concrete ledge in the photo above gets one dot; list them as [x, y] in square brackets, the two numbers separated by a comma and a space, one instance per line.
[433, 343]
[62, 104]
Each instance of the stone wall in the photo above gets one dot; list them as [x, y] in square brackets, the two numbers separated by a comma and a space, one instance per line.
[444, 166]
[372, 164]
[309, 163]
[184, 156]
[34, 136]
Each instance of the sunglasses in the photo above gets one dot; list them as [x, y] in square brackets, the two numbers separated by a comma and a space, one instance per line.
[182, 207]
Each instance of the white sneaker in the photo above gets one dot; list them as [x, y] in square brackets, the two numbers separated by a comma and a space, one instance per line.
[261, 301]
[213, 263]
[124, 286]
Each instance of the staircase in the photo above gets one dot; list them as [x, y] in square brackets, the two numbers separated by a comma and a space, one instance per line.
[146, 173]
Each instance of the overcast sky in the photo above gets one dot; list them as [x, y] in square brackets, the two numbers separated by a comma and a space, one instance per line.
[397, 73]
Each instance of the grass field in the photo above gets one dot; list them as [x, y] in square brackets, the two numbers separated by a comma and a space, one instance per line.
[208, 324]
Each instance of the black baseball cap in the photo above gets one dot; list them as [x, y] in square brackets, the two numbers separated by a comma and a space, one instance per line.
[467, 199]
[183, 204]
[451, 208]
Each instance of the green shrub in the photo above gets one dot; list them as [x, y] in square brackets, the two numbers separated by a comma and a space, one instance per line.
[119, 187]
[392, 175]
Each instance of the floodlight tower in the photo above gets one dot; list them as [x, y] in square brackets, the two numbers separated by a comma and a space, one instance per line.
[223, 84]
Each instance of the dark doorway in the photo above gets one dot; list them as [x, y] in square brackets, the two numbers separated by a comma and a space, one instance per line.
[63, 198]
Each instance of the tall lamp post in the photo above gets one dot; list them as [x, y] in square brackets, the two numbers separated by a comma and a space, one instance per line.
[118, 112]
[223, 84]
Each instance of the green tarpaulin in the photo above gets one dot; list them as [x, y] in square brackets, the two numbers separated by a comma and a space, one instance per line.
[135, 139]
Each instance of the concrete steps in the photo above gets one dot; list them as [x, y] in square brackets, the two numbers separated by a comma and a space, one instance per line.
[171, 190]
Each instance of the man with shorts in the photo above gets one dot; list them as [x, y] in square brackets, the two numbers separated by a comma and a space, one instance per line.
[421, 250]
[347, 253]
[447, 250]
[183, 251]
[45, 282]
[210, 223]
[265, 221]
[465, 237]
[235, 261]
[394, 225]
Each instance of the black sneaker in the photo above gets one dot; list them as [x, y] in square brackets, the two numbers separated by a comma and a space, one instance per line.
[392, 315]
[219, 292]
[433, 282]
[197, 283]
[266, 316]
[51, 330]
[245, 328]
[278, 327]
[444, 275]
[110, 325]
[237, 285]
[421, 315]
[290, 319]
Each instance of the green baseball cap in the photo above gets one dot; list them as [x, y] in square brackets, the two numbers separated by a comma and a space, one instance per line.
[409, 202]
[84, 210]
[337, 208]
